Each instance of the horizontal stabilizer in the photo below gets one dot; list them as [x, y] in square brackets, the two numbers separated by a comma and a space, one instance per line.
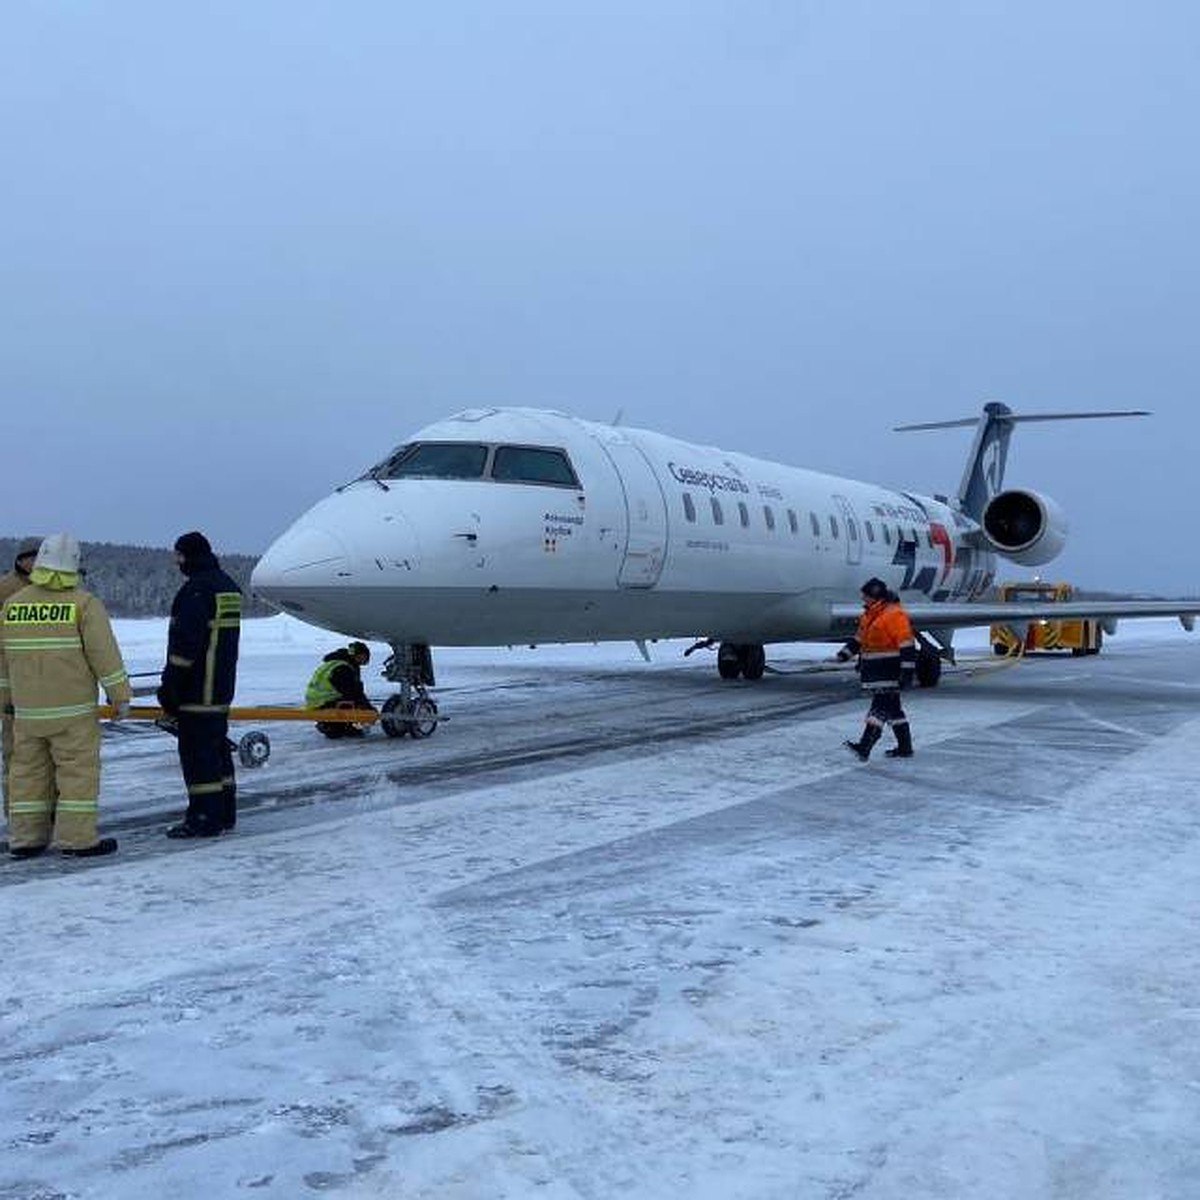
[1012, 418]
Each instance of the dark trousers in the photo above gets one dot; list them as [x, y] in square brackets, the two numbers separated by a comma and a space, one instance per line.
[206, 759]
[885, 707]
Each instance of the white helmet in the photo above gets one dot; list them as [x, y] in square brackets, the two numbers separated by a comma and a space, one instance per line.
[59, 552]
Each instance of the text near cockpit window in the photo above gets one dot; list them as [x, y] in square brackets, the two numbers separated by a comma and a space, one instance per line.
[435, 460]
[533, 464]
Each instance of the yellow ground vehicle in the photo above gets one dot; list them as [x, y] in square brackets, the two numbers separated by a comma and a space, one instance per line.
[1079, 635]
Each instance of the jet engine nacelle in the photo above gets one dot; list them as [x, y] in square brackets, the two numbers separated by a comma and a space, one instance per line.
[1024, 526]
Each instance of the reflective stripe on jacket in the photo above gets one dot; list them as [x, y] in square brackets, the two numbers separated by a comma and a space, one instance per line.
[886, 645]
[56, 646]
[335, 680]
[202, 642]
[320, 690]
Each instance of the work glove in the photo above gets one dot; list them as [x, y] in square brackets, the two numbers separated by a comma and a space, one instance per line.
[120, 710]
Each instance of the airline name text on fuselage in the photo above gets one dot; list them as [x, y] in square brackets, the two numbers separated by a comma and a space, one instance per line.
[706, 479]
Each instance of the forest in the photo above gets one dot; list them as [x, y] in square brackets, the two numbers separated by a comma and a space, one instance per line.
[141, 581]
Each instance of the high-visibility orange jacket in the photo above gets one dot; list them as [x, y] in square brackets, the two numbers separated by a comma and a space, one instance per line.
[885, 645]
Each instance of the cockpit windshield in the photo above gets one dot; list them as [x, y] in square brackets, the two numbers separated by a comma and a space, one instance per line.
[434, 460]
[547, 465]
[533, 464]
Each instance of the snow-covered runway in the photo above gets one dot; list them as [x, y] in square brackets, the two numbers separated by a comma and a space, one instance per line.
[658, 937]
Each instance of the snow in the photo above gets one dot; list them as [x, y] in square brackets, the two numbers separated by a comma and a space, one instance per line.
[621, 929]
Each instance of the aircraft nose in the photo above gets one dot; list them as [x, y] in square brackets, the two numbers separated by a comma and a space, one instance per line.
[301, 557]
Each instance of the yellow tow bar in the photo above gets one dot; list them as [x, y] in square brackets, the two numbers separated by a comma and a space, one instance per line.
[253, 748]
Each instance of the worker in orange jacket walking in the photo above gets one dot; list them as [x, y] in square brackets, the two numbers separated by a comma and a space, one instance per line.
[887, 662]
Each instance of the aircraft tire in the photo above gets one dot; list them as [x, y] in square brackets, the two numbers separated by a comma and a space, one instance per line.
[394, 725]
[929, 668]
[729, 660]
[422, 718]
[754, 661]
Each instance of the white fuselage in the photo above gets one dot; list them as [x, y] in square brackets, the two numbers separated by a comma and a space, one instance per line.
[654, 537]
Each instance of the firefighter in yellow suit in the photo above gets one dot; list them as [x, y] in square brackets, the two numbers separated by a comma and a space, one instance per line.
[56, 646]
[10, 584]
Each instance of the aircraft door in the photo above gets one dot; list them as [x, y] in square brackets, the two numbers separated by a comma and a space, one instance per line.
[853, 531]
[646, 514]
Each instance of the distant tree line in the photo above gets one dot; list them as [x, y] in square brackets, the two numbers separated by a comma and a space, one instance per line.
[141, 581]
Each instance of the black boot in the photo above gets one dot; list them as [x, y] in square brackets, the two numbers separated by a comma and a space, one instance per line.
[103, 846]
[25, 851]
[903, 747]
[187, 829]
[870, 735]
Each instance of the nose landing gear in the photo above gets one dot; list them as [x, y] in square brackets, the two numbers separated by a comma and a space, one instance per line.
[411, 710]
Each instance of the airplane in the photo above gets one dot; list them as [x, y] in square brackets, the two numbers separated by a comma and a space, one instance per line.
[507, 526]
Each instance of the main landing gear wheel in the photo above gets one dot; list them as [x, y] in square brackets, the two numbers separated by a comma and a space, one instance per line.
[929, 667]
[418, 718]
[729, 661]
[253, 748]
[748, 660]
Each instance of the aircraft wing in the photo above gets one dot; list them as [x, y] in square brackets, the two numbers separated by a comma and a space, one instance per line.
[928, 615]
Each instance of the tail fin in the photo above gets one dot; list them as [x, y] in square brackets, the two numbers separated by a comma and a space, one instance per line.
[984, 473]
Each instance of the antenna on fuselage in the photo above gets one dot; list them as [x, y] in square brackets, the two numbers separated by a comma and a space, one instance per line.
[618, 418]
[983, 476]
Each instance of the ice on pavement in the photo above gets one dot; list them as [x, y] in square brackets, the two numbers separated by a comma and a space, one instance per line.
[731, 965]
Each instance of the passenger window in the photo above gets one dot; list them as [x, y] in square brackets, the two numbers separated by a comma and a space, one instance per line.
[815, 524]
[833, 527]
[689, 508]
[870, 531]
[887, 534]
[769, 516]
[434, 460]
[533, 464]
[718, 515]
[744, 513]
[793, 524]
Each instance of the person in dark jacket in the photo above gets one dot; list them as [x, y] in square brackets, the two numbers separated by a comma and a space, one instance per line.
[337, 683]
[198, 683]
[10, 585]
[887, 659]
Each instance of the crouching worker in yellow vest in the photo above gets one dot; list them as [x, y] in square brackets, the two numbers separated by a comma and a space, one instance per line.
[56, 645]
[337, 683]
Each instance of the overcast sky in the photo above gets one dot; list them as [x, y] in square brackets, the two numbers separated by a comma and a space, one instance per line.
[245, 248]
